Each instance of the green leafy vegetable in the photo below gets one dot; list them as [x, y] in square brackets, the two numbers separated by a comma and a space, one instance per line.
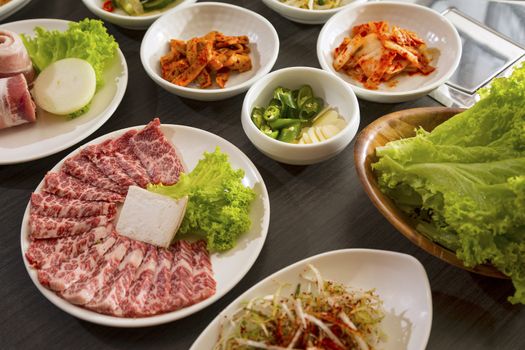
[81, 111]
[465, 180]
[87, 40]
[288, 112]
[218, 204]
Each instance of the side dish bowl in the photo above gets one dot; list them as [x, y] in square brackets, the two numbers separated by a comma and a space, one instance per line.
[306, 16]
[122, 19]
[335, 92]
[392, 127]
[437, 32]
[11, 7]
[197, 20]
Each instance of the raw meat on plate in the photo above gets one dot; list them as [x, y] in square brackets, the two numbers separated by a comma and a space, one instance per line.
[83, 169]
[45, 204]
[64, 185]
[16, 105]
[42, 227]
[44, 253]
[14, 58]
[157, 154]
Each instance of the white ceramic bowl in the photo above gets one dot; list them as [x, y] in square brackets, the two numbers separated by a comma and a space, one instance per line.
[122, 19]
[306, 16]
[334, 91]
[11, 7]
[398, 279]
[199, 19]
[432, 27]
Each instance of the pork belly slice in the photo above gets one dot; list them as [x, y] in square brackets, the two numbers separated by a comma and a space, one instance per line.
[62, 276]
[14, 58]
[44, 253]
[181, 275]
[112, 295]
[64, 185]
[138, 293]
[83, 291]
[157, 154]
[42, 227]
[45, 204]
[128, 161]
[83, 169]
[16, 105]
[103, 156]
[204, 285]
[158, 298]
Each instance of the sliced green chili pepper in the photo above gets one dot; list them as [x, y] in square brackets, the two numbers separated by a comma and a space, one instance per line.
[285, 96]
[272, 113]
[305, 92]
[275, 102]
[320, 2]
[257, 116]
[290, 133]
[269, 132]
[311, 107]
[295, 93]
[282, 123]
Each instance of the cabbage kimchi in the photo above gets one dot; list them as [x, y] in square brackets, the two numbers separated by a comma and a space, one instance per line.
[376, 52]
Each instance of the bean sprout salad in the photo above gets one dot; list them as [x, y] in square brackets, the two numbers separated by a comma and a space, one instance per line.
[318, 315]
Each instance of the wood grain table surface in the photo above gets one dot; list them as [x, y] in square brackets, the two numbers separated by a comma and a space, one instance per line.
[314, 209]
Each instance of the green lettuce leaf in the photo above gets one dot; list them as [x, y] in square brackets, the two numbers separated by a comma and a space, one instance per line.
[87, 40]
[465, 181]
[219, 203]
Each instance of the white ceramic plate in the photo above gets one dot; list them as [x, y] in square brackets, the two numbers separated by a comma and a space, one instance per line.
[50, 133]
[11, 7]
[228, 267]
[399, 279]
[121, 18]
[433, 28]
[199, 19]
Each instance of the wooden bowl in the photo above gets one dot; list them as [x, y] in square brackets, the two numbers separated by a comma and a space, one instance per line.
[392, 127]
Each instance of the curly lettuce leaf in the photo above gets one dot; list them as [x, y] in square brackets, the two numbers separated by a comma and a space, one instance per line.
[465, 180]
[87, 40]
[219, 203]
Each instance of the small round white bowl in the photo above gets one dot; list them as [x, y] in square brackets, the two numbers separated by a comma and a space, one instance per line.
[429, 25]
[197, 20]
[305, 16]
[122, 19]
[334, 91]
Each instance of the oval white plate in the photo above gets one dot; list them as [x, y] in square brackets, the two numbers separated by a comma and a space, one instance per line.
[399, 279]
[433, 28]
[50, 133]
[228, 267]
[198, 19]
[11, 7]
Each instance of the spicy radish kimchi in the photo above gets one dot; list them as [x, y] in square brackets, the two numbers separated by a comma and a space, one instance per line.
[197, 59]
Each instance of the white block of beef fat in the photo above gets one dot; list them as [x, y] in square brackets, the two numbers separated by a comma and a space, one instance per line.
[150, 217]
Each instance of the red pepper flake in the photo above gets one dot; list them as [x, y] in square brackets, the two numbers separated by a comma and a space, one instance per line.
[108, 6]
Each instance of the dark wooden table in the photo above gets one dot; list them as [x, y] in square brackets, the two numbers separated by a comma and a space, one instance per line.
[314, 209]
